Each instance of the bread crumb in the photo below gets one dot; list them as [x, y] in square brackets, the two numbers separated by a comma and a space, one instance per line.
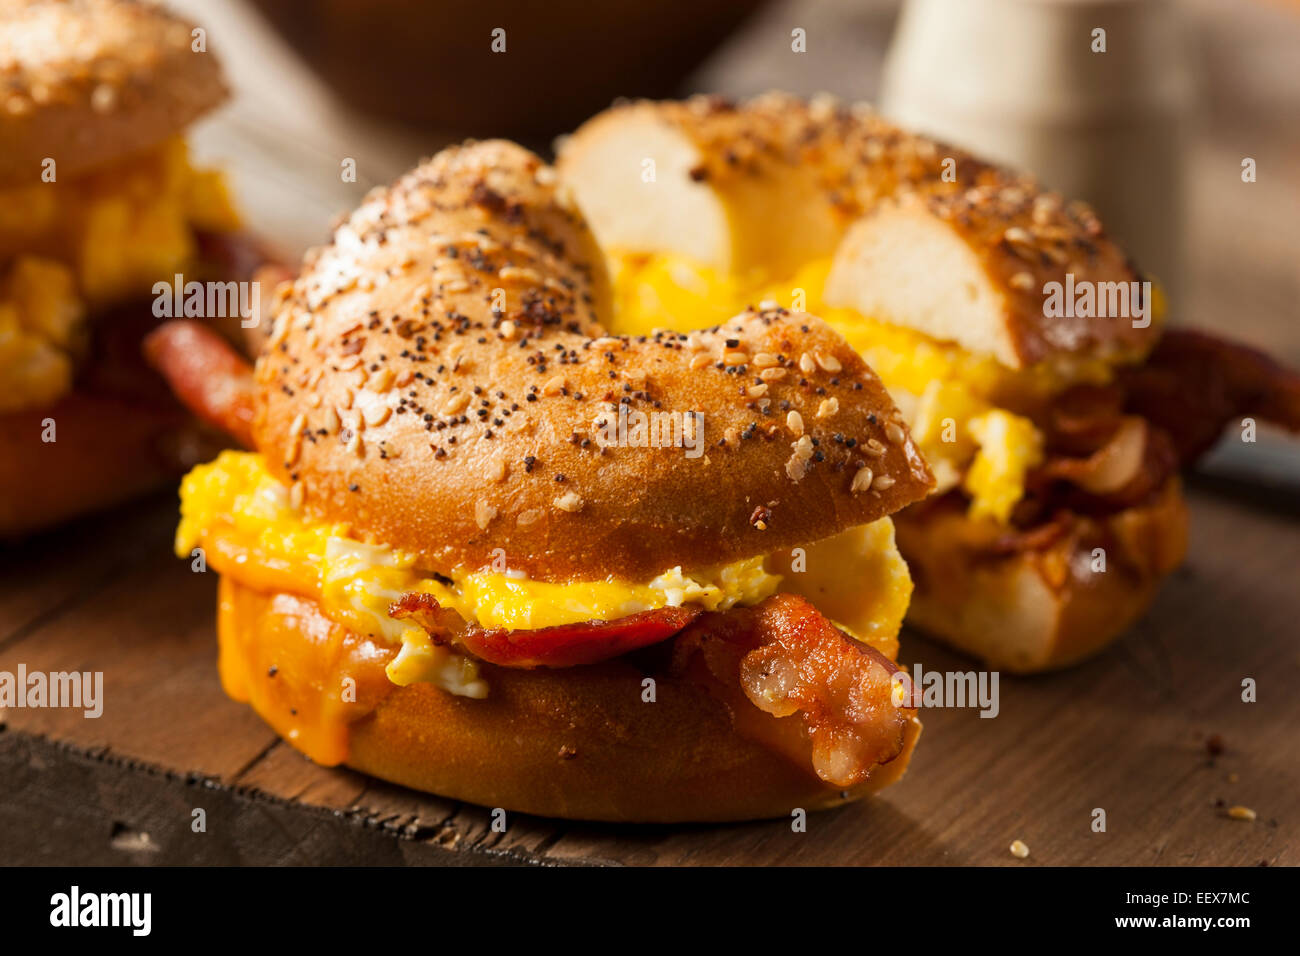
[1241, 813]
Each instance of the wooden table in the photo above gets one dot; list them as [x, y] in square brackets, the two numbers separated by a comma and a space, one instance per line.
[1130, 732]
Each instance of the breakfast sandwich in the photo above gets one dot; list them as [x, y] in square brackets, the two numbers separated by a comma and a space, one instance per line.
[99, 202]
[1029, 355]
[481, 547]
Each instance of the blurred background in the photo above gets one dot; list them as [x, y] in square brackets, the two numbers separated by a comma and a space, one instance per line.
[1153, 131]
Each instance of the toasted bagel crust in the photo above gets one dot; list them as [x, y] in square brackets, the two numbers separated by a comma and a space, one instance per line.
[402, 403]
[1041, 608]
[777, 182]
[579, 742]
[85, 82]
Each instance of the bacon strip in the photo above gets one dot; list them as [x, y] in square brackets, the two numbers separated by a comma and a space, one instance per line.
[1135, 462]
[775, 660]
[209, 377]
[1194, 384]
[785, 658]
[1111, 447]
[566, 645]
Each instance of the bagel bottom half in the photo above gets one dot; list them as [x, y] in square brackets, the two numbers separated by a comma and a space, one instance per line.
[576, 742]
[1040, 607]
[105, 450]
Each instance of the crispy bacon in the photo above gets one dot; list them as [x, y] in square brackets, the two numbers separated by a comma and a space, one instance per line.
[1194, 384]
[785, 658]
[566, 645]
[1114, 446]
[1083, 418]
[1135, 462]
[209, 377]
[779, 659]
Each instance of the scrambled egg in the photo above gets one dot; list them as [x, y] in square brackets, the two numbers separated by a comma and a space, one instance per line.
[72, 246]
[241, 516]
[962, 407]
[42, 325]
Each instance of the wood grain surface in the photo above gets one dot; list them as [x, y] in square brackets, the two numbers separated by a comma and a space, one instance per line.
[1129, 732]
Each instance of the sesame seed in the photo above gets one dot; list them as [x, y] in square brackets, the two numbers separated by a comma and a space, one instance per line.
[894, 432]
[756, 391]
[828, 407]
[1021, 280]
[1019, 850]
[874, 448]
[806, 364]
[520, 273]
[772, 374]
[734, 358]
[483, 514]
[569, 501]
[829, 363]
[882, 483]
[765, 360]
[1241, 813]
[862, 480]
[699, 361]
[376, 414]
[794, 422]
[529, 517]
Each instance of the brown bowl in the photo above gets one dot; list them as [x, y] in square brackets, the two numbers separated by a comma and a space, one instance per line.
[432, 62]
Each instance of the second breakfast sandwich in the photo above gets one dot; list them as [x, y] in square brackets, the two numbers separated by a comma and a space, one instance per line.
[99, 202]
[454, 561]
[1056, 423]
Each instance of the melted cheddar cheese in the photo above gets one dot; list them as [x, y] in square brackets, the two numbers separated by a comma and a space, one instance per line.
[243, 520]
[966, 410]
[70, 246]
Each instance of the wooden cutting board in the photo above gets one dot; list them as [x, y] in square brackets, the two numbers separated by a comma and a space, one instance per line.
[1135, 732]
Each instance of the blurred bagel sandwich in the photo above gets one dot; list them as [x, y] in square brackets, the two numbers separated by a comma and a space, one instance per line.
[99, 202]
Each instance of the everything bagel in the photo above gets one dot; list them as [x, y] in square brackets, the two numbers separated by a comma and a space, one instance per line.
[472, 429]
[1055, 432]
[439, 523]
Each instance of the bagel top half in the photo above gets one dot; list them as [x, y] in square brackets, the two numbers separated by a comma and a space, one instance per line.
[91, 81]
[922, 235]
[437, 376]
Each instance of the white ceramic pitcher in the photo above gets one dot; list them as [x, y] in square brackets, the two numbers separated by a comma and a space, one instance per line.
[1023, 82]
